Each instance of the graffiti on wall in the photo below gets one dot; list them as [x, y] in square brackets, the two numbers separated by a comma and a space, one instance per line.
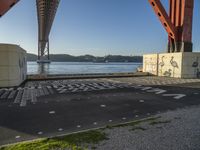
[178, 65]
[151, 64]
[174, 64]
[195, 65]
[161, 65]
[168, 67]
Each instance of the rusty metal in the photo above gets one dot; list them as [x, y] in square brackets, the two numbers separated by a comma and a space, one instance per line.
[46, 11]
[164, 18]
[5, 5]
[178, 23]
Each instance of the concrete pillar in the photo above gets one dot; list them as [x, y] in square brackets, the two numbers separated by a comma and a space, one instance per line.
[13, 66]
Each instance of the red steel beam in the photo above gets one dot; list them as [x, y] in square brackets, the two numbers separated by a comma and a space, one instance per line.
[187, 19]
[5, 5]
[178, 23]
[163, 17]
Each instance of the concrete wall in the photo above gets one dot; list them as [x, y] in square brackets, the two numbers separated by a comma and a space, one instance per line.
[178, 65]
[150, 63]
[13, 68]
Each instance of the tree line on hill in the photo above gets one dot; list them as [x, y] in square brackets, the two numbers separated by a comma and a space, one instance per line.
[87, 58]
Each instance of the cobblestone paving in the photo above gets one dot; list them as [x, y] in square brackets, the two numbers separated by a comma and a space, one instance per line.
[33, 90]
[152, 80]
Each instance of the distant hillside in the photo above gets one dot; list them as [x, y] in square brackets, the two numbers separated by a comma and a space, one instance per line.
[88, 58]
[31, 57]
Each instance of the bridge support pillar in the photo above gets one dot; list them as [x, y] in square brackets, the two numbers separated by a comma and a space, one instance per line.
[178, 23]
[177, 65]
[43, 55]
[13, 65]
[179, 61]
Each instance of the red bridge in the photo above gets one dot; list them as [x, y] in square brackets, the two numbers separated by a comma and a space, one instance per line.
[178, 23]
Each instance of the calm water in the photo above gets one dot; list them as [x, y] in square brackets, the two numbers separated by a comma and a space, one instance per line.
[80, 67]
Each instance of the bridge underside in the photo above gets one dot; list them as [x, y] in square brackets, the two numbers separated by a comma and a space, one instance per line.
[46, 11]
[5, 5]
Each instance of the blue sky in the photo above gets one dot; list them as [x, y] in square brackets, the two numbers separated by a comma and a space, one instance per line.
[97, 27]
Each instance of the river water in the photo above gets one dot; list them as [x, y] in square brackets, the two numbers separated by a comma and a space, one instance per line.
[80, 68]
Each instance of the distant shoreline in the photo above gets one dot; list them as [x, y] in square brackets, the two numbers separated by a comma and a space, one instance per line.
[91, 62]
[89, 58]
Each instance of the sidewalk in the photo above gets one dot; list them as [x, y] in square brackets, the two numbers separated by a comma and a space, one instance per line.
[175, 130]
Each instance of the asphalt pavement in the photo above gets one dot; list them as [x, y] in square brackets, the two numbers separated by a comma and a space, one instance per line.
[51, 108]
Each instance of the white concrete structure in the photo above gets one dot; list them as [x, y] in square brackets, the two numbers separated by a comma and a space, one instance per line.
[13, 66]
[178, 65]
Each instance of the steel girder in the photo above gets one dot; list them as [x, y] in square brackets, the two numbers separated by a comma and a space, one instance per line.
[178, 23]
[5, 5]
[46, 11]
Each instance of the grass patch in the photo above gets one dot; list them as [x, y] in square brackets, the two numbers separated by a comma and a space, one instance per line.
[159, 122]
[77, 141]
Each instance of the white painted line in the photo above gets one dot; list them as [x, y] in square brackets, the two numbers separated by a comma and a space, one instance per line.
[137, 86]
[63, 91]
[110, 120]
[103, 106]
[40, 133]
[52, 112]
[124, 118]
[136, 116]
[146, 88]
[17, 137]
[157, 91]
[141, 101]
[78, 126]
[60, 129]
[175, 96]
[95, 123]
[148, 114]
[196, 93]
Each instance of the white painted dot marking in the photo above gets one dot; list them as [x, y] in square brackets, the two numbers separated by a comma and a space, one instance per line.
[141, 101]
[124, 118]
[95, 123]
[17, 137]
[78, 126]
[103, 106]
[110, 120]
[136, 116]
[52, 112]
[148, 114]
[40, 133]
[60, 129]
[196, 93]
